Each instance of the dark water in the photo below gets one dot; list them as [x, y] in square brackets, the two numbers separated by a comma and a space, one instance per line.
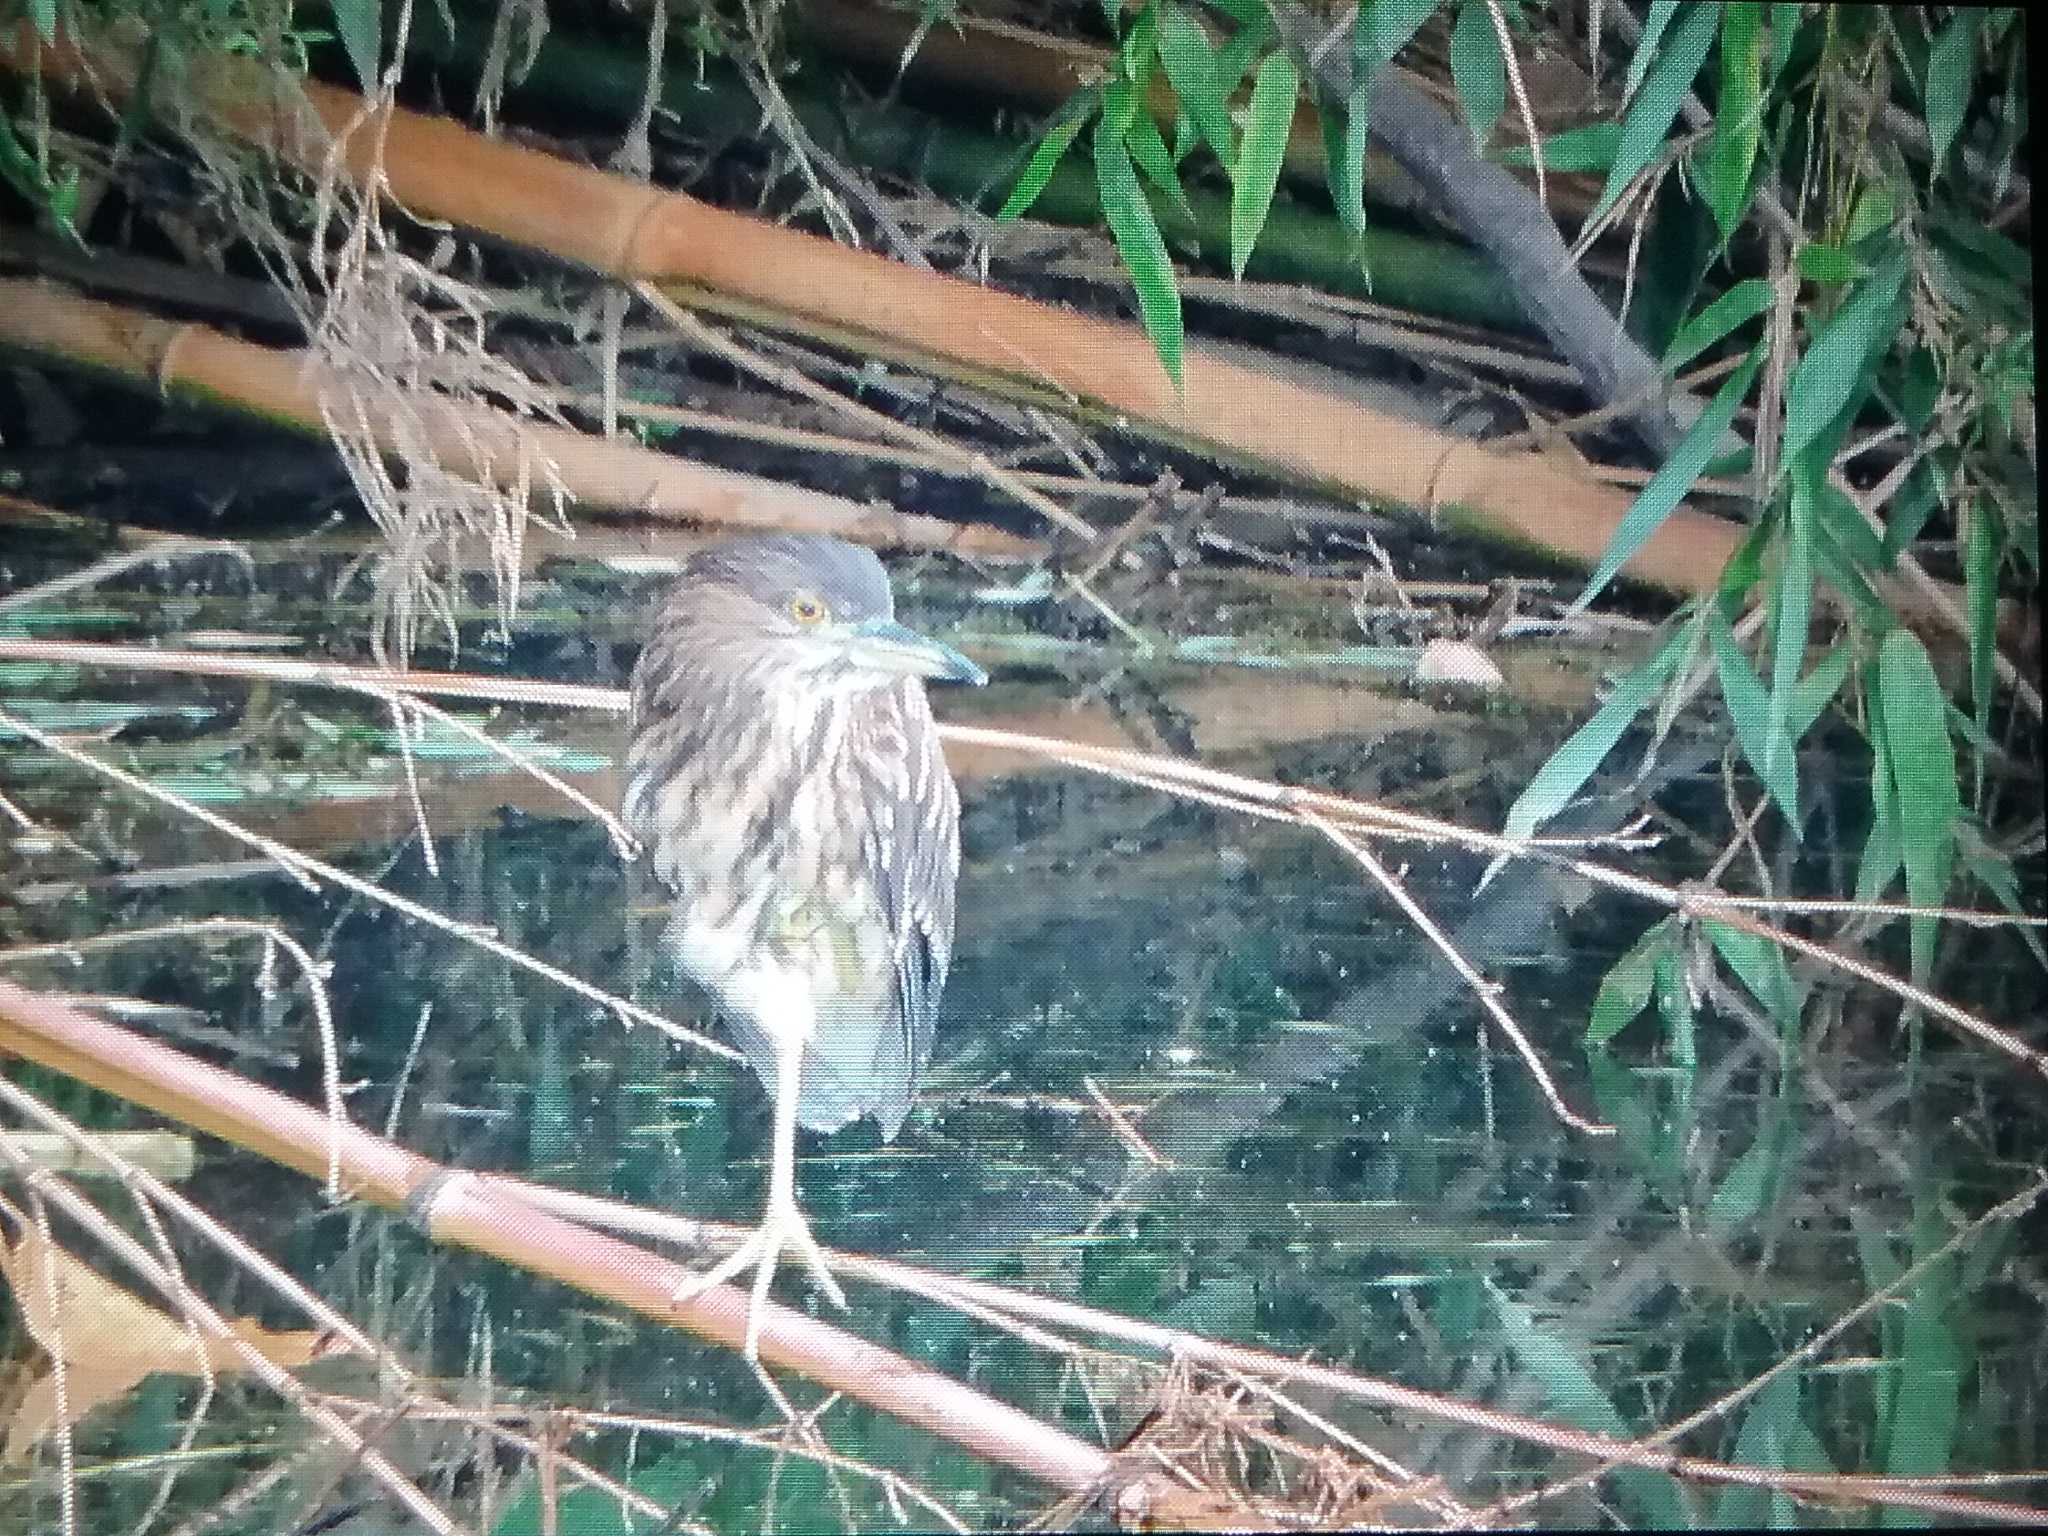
[1350, 1168]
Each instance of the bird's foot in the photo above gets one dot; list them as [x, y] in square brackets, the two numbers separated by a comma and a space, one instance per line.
[782, 1227]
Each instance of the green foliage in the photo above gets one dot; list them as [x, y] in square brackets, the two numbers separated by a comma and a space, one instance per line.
[1626, 989]
[1588, 148]
[1572, 764]
[1742, 303]
[361, 25]
[1168, 35]
[1912, 314]
[1919, 762]
[1571, 1391]
[1052, 148]
[1925, 1362]
[1127, 144]
[1670, 485]
[1667, 75]
[1267, 124]
[1775, 1437]
[1478, 68]
[1380, 29]
[1831, 380]
[1197, 75]
[34, 165]
[52, 190]
[1737, 125]
[1139, 242]
[1949, 65]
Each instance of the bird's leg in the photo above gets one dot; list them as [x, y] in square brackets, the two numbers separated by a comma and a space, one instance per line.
[782, 1222]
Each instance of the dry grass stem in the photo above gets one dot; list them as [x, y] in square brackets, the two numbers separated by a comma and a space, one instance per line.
[2011, 1209]
[200, 1316]
[1190, 780]
[313, 972]
[1485, 992]
[310, 871]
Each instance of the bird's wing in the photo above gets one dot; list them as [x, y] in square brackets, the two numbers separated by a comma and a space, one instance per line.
[917, 853]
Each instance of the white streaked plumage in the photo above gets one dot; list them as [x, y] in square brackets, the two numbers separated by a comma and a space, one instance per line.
[784, 773]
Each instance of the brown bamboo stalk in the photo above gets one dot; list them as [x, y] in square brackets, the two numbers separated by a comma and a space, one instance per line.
[774, 276]
[484, 1213]
[287, 386]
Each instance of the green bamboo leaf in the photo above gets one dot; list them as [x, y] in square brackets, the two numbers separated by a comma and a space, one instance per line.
[1774, 1437]
[1588, 148]
[1877, 206]
[1993, 869]
[1559, 1367]
[1149, 150]
[1667, 488]
[1457, 1305]
[1835, 516]
[1881, 1268]
[1760, 966]
[1792, 606]
[1382, 29]
[1881, 1265]
[1379, 30]
[44, 14]
[1345, 135]
[1882, 855]
[1268, 120]
[1982, 550]
[1051, 150]
[1817, 690]
[1234, 58]
[1829, 264]
[1623, 1098]
[1192, 70]
[1745, 1189]
[1745, 568]
[1139, 48]
[1674, 1007]
[1949, 66]
[1784, 31]
[1661, 12]
[1836, 368]
[1931, 1364]
[63, 205]
[1119, 105]
[361, 25]
[1143, 250]
[2012, 122]
[1626, 989]
[1749, 708]
[1478, 70]
[1572, 764]
[1919, 390]
[1733, 309]
[1921, 762]
[1907, 516]
[1656, 105]
[1969, 733]
[1738, 116]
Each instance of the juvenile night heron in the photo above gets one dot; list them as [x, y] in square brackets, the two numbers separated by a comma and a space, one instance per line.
[785, 776]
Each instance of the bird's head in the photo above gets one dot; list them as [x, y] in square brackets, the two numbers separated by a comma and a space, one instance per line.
[803, 608]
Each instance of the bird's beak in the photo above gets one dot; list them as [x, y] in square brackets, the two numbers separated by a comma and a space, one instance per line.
[886, 646]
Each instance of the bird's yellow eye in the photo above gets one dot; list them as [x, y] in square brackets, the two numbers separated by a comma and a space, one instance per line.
[806, 609]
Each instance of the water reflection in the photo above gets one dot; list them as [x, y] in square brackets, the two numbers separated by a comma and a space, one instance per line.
[1189, 1067]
